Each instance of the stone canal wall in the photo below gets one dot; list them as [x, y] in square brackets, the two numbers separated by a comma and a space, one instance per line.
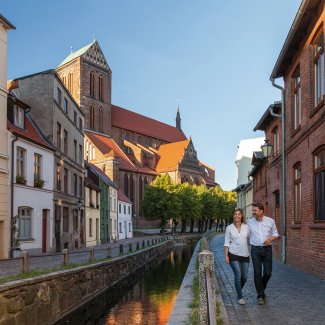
[49, 298]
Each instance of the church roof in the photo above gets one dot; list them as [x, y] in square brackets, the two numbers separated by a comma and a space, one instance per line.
[76, 54]
[169, 155]
[135, 122]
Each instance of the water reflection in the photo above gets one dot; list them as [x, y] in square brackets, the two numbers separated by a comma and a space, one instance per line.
[151, 300]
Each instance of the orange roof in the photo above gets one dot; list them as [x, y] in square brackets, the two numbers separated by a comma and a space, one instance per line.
[170, 155]
[132, 121]
[108, 146]
[30, 133]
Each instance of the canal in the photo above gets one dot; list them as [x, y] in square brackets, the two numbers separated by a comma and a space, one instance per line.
[149, 301]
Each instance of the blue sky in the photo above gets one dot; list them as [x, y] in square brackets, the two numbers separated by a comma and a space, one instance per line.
[213, 56]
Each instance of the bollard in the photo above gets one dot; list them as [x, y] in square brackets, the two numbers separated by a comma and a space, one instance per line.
[121, 249]
[91, 254]
[109, 251]
[143, 244]
[138, 246]
[130, 247]
[24, 262]
[65, 256]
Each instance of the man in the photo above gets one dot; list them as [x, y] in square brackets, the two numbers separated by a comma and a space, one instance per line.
[262, 233]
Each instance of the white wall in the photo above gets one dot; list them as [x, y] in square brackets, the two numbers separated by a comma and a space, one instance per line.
[113, 224]
[125, 227]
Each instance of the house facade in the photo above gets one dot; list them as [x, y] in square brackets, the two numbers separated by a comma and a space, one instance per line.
[61, 121]
[31, 181]
[125, 226]
[5, 221]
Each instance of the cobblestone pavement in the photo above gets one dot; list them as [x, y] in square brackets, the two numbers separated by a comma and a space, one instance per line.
[292, 297]
[50, 261]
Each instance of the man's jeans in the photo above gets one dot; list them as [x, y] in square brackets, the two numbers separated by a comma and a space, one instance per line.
[261, 255]
[240, 270]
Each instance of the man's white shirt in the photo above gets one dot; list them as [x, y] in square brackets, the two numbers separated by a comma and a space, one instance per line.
[261, 230]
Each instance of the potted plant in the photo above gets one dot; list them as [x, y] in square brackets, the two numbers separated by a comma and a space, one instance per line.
[20, 179]
[91, 204]
[39, 183]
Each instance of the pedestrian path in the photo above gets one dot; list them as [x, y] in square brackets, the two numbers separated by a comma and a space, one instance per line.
[292, 297]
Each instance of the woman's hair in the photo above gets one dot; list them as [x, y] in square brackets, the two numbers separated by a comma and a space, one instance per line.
[241, 212]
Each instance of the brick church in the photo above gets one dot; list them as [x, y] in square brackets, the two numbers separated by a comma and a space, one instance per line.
[130, 148]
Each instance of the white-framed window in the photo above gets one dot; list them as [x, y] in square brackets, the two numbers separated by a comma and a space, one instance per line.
[119, 208]
[20, 162]
[25, 222]
[297, 186]
[319, 180]
[120, 223]
[19, 117]
[130, 228]
[59, 96]
[75, 150]
[65, 106]
[124, 208]
[37, 166]
[297, 99]
[90, 227]
[129, 210]
[319, 68]
[276, 141]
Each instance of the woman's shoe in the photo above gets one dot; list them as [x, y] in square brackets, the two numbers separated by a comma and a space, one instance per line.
[241, 301]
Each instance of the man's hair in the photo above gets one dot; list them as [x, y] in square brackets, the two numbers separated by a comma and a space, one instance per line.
[258, 205]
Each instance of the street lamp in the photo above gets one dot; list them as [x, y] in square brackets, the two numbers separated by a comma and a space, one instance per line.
[266, 148]
[79, 204]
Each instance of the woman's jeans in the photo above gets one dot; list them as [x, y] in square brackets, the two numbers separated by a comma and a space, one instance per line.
[240, 270]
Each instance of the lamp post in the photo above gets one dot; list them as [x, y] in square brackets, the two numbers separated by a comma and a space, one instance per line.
[79, 204]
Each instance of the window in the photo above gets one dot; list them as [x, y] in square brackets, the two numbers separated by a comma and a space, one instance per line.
[59, 96]
[65, 106]
[65, 180]
[75, 220]
[92, 84]
[90, 227]
[124, 208]
[110, 203]
[75, 150]
[74, 117]
[276, 142]
[19, 117]
[130, 227]
[64, 79]
[100, 119]
[80, 154]
[120, 226]
[65, 141]
[70, 82]
[129, 210]
[297, 186]
[58, 177]
[80, 186]
[92, 117]
[75, 186]
[25, 222]
[37, 166]
[65, 220]
[319, 68]
[100, 88]
[80, 123]
[114, 205]
[319, 172]
[91, 203]
[120, 208]
[58, 135]
[20, 167]
[297, 100]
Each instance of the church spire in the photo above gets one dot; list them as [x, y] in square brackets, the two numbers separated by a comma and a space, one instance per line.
[178, 119]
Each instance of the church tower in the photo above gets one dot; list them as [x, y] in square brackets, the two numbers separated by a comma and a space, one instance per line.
[88, 77]
[178, 120]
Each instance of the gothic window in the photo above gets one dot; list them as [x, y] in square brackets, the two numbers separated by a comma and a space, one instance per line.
[92, 117]
[92, 84]
[131, 188]
[100, 119]
[126, 184]
[319, 179]
[100, 88]
[70, 81]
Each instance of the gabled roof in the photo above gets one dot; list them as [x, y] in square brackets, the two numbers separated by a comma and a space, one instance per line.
[6, 22]
[107, 146]
[102, 175]
[122, 197]
[267, 116]
[170, 155]
[31, 133]
[77, 53]
[141, 124]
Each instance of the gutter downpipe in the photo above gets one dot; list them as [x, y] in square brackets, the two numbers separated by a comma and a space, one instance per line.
[282, 115]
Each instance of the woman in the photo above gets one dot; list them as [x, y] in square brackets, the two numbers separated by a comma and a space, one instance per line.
[236, 251]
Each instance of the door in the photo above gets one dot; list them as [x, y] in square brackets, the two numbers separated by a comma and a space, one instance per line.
[44, 230]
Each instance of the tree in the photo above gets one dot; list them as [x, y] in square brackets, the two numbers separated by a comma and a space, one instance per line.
[208, 207]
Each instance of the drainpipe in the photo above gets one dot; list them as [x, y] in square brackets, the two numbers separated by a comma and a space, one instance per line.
[12, 193]
[282, 115]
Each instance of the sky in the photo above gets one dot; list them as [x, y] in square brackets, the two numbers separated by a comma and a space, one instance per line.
[213, 58]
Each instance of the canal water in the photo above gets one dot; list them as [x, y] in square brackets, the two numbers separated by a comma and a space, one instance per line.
[149, 302]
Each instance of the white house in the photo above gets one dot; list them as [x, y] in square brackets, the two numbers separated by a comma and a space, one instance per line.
[113, 197]
[31, 175]
[125, 226]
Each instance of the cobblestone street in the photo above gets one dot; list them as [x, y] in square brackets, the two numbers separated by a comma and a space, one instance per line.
[292, 297]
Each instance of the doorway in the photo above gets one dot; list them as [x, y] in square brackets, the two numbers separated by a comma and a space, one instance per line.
[44, 230]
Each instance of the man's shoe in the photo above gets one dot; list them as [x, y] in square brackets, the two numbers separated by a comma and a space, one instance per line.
[260, 301]
[241, 301]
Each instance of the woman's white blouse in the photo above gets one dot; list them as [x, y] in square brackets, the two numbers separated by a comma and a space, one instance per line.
[237, 241]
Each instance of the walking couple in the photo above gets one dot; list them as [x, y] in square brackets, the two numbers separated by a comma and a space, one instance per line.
[260, 232]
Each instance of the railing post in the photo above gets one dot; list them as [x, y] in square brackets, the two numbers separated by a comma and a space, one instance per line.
[91, 254]
[109, 251]
[65, 256]
[143, 244]
[24, 262]
[130, 247]
[121, 249]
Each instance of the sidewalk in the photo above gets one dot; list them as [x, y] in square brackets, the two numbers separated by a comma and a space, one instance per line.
[293, 297]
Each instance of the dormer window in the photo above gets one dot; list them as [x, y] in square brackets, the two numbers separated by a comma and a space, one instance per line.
[19, 117]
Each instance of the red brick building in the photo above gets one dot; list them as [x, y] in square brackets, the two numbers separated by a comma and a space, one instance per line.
[301, 65]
